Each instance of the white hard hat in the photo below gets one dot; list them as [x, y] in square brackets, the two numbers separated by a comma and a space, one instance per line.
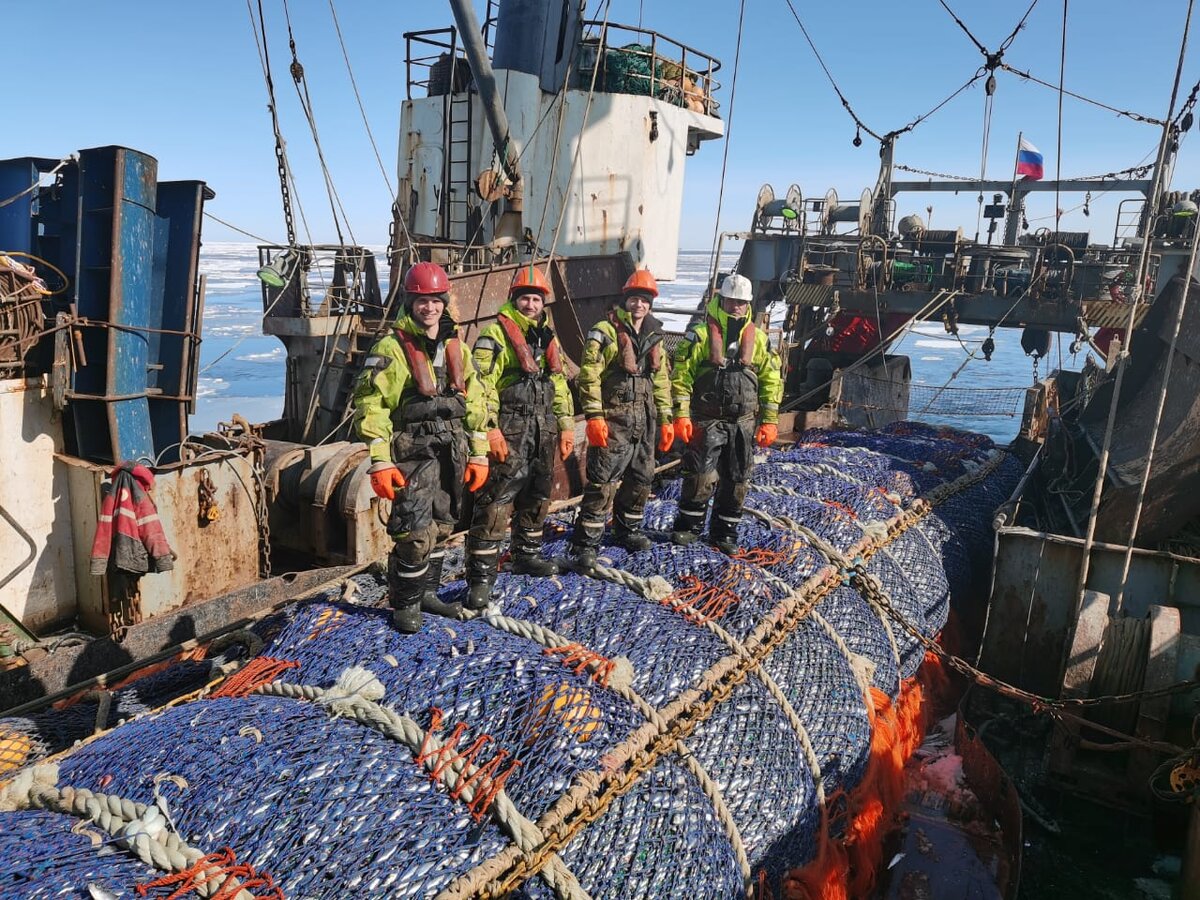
[736, 287]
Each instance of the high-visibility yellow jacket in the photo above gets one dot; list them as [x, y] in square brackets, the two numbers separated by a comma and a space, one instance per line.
[717, 374]
[500, 366]
[388, 396]
[602, 361]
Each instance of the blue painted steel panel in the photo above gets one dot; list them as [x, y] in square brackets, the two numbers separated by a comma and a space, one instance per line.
[16, 218]
[130, 306]
[116, 238]
[180, 205]
[130, 251]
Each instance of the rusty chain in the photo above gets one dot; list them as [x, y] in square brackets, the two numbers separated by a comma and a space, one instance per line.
[564, 825]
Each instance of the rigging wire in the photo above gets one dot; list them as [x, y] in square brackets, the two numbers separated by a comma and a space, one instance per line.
[1137, 117]
[587, 109]
[264, 58]
[1062, 70]
[737, 55]
[1135, 301]
[921, 118]
[367, 125]
[833, 83]
[1008, 40]
[858, 122]
[988, 105]
[967, 31]
[300, 82]
[230, 225]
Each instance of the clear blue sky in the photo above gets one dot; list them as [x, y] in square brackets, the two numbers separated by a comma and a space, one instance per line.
[182, 81]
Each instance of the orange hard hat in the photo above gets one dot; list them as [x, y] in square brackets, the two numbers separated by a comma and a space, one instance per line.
[641, 282]
[529, 280]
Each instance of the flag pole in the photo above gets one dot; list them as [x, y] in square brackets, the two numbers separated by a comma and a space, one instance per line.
[1015, 204]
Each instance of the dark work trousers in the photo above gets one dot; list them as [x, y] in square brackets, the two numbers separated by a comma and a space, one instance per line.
[433, 457]
[718, 459]
[517, 489]
[623, 470]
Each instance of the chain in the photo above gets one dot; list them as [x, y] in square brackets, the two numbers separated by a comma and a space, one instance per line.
[935, 174]
[869, 586]
[288, 221]
[603, 791]
[258, 452]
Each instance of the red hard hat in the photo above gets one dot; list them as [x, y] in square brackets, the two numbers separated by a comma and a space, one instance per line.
[426, 278]
[529, 280]
[641, 282]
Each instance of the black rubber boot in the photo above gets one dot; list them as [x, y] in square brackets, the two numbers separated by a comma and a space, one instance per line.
[479, 593]
[481, 572]
[633, 541]
[726, 545]
[526, 563]
[429, 600]
[683, 537]
[406, 585]
[585, 558]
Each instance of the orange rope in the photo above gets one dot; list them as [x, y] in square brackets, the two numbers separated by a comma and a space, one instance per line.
[707, 601]
[842, 507]
[222, 866]
[578, 658]
[329, 620]
[253, 675]
[485, 780]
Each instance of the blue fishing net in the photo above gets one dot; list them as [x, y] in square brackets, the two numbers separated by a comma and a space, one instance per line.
[330, 807]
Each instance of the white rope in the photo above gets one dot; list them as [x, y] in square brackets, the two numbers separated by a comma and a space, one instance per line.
[355, 697]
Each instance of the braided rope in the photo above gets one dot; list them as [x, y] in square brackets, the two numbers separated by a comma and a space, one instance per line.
[655, 587]
[860, 665]
[121, 818]
[458, 777]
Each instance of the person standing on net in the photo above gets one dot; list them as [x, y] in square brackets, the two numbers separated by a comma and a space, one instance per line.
[531, 417]
[726, 378]
[420, 407]
[626, 394]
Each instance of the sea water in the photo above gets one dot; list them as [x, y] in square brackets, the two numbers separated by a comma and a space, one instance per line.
[242, 370]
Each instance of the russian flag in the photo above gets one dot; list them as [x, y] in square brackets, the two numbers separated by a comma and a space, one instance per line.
[1029, 161]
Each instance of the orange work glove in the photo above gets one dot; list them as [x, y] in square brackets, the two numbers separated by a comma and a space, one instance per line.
[684, 429]
[666, 437]
[597, 432]
[766, 434]
[477, 472]
[497, 445]
[386, 479]
[566, 443]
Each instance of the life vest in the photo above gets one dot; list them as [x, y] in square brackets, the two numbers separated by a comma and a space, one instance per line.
[723, 388]
[716, 343]
[529, 365]
[628, 355]
[629, 382]
[431, 401]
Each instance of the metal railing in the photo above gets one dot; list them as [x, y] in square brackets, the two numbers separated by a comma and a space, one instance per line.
[639, 61]
[432, 63]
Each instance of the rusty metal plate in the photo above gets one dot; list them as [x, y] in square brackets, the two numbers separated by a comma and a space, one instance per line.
[1108, 314]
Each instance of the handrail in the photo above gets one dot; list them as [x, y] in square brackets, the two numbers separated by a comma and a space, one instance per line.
[670, 89]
